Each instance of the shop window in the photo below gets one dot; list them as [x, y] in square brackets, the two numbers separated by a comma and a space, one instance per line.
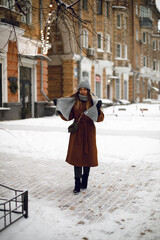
[117, 88]
[98, 85]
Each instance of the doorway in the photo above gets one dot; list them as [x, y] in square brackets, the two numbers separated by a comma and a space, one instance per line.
[0, 85]
[25, 92]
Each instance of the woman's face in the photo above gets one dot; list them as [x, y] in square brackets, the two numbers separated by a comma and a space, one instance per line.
[83, 91]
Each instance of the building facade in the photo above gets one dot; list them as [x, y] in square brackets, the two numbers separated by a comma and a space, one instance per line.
[23, 69]
[47, 47]
[118, 51]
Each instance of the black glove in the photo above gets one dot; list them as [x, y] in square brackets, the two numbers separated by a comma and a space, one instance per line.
[55, 101]
[99, 104]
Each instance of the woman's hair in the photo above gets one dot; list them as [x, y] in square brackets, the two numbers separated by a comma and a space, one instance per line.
[78, 102]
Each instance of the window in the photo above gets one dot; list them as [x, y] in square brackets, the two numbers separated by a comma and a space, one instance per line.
[108, 43]
[136, 35]
[125, 51]
[99, 41]
[154, 65]
[8, 3]
[119, 21]
[85, 38]
[136, 9]
[125, 23]
[98, 85]
[84, 4]
[99, 7]
[144, 37]
[125, 89]
[149, 39]
[144, 61]
[154, 45]
[27, 9]
[117, 88]
[137, 60]
[107, 9]
[119, 50]
[145, 12]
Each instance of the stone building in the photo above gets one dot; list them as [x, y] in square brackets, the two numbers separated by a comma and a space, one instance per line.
[23, 69]
[45, 51]
[119, 51]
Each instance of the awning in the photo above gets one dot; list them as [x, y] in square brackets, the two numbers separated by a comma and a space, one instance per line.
[155, 89]
[35, 57]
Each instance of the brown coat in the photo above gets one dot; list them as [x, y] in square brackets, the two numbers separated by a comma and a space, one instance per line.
[82, 149]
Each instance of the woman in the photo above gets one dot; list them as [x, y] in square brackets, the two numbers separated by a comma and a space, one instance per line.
[82, 149]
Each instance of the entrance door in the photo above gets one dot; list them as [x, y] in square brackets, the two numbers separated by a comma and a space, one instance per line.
[0, 85]
[25, 92]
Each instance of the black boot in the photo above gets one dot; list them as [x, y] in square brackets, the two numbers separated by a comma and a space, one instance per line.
[84, 181]
[77, 186]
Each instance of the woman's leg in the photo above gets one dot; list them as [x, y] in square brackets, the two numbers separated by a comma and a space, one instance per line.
[85, 176]
[77, 176]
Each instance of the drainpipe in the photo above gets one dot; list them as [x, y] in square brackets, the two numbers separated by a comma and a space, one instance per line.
[80, 41]
[133, 86]
[41, 27]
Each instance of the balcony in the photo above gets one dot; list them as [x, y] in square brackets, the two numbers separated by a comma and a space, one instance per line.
[146, 22]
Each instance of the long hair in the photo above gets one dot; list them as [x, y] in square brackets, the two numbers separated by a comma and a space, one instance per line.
[78, 102]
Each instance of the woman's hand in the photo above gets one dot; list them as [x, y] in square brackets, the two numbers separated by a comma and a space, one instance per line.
[55, 101]
[99, 104]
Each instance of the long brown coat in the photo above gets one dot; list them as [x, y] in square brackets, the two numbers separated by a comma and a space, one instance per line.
[82, 149]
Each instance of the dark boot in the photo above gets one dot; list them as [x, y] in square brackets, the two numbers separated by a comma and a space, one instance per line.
[77, 186]
[84, 181]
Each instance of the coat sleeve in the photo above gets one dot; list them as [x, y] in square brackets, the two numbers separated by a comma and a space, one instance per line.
[71, 116]
[100, 116]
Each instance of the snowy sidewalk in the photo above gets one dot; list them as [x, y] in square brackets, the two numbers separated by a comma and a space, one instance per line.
[113, 188]
[123, 197]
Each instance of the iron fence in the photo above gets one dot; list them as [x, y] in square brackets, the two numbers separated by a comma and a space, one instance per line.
[13, 207]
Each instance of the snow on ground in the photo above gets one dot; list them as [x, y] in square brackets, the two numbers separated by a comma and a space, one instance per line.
[127, 135]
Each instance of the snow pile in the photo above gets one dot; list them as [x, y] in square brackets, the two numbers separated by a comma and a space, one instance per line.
[127, 137]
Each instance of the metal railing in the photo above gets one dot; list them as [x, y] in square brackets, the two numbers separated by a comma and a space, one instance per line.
[13, 208]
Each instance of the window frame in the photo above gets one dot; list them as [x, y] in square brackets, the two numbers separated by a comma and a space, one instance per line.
[85, 38]
[101, 40]
[119, 50]
[85, 4]
[118, 20]
[99, 7]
